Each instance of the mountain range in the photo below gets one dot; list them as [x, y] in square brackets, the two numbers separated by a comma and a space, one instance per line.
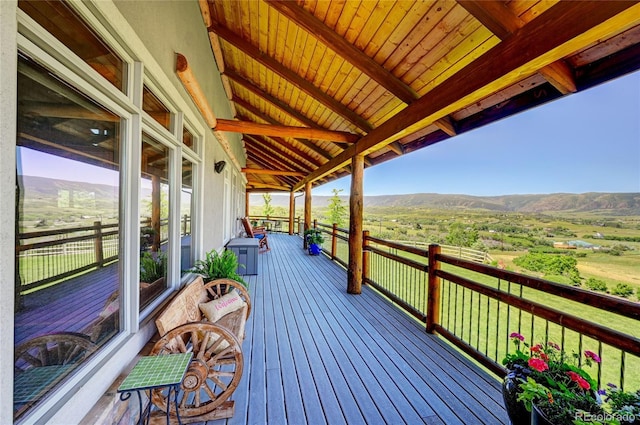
[609, 203]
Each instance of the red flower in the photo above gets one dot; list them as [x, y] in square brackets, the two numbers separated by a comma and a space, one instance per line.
[553, 345]
[579, 380]
[539, 365]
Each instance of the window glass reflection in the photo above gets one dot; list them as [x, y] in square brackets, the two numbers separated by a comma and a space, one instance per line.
[154, 220]
[186, 214]
[67, 232]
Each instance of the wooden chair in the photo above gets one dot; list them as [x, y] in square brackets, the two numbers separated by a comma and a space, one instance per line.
[259, 233]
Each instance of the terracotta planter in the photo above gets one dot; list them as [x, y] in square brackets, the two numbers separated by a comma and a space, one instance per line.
[518, 414]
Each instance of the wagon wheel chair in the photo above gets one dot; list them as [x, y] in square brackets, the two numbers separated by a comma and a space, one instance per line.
[215, 370]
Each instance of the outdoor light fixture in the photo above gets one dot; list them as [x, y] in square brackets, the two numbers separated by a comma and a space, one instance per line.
[219, 166]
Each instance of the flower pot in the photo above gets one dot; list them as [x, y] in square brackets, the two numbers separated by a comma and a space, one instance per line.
[315, 249]
[538, 417]
[518, 414]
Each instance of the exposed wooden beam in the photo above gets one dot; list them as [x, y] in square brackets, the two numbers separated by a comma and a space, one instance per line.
[563, 29]
[233, 75]
[259, 186]
[316, 28]
[276, 153]
[308, 143]
[272, 172]
[46, 109]
[249, 127]
[561, 76]
[185, 74]
[351, 54]
[503, 23]
[291, 76]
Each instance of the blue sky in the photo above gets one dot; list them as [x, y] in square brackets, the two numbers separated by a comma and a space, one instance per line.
[585, 142]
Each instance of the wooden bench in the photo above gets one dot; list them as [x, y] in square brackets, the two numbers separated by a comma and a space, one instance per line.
[216, 367]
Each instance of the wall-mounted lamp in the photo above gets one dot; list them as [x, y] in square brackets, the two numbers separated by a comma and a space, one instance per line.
[219, 166]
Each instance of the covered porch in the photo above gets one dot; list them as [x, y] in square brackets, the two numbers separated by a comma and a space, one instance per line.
[315, 354]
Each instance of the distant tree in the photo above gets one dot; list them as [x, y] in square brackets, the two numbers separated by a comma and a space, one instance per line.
[461, 235]
[337, 210]
[267, 209]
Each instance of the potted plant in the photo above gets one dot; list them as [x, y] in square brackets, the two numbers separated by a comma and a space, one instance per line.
[314, 241]
[548, 383]
[152, 267]
[218, 266]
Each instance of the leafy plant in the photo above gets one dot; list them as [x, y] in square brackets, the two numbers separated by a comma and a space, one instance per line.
[152, 267]
[314, 236]
[218, 266]
[623, 290]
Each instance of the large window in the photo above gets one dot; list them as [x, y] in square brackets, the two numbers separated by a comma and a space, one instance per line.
[64, 24]
[154, 220]
[68, 231]
[186, 214]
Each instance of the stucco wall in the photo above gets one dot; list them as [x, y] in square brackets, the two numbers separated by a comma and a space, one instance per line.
[171, 27]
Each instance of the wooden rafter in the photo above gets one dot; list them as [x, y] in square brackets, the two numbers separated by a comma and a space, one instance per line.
[249, 127]
[257, 157]
[284, 161]
[268, 119]
[306, 142]
[295, 79]
[566, 27]
[353, 55]
[503, 23]
[270, 99]
[272, 172]
[346, 50]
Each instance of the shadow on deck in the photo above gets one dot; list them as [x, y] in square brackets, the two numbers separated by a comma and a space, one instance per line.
[315, 354]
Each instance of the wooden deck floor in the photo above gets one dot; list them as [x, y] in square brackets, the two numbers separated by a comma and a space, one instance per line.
[317, 355]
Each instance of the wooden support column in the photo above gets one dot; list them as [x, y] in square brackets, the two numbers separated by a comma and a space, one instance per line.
[246, 204]
[292, 211]
[155, 212]
[354, 271]
[433, 290]
[307, 210]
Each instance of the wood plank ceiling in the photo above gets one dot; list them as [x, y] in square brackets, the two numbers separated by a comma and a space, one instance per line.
[313, 83]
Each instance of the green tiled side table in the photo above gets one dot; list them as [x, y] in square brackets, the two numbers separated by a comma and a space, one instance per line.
[156, 372]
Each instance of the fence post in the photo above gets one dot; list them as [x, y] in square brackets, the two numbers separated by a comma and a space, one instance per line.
[433, 290]
[365, 255]
[99, 251]
[334, 241]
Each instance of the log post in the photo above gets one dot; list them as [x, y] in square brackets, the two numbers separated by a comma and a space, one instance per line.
[354, 271]
[307, 211]
[292, 211]
[97, 243]
[155, 213]
[365, 256]
[246, 204]
[433, 290]
[334, 241]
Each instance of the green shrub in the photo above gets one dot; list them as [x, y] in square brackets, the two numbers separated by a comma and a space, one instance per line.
[623, 290]
[152, 267]
[218, 266]
[596, 285]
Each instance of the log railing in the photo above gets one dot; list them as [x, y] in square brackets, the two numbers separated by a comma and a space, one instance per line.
[277, 223]
[476, 306]
[49, 256]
